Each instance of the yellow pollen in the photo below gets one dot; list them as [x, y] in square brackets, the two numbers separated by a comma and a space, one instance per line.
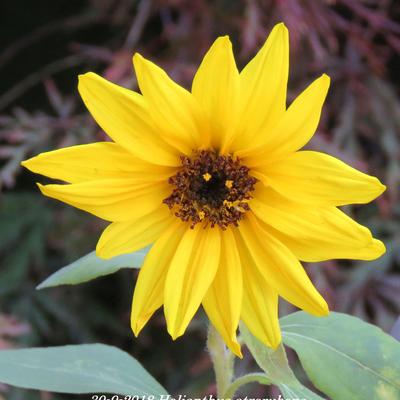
[229, 184]
[207, 176]
[201, 214]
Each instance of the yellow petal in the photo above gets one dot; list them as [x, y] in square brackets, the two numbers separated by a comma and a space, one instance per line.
[125, 237]
[310, 251]
[263, 85]
[314, 233]
[316, 178]
[149, 290]
[191, 273]
[174, 110]
[281, 268]
[216, 87]
[223, 300]
[295, 128]
[260, 309]
[124, 116]
[95, 161]
[110, 199]
[260, 301]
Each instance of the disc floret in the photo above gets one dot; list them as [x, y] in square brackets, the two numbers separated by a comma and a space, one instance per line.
[212, 189]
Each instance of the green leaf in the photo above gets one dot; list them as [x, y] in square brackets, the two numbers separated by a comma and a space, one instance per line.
[276, 367]
[89, 368]
[90, 267]
[345, 357]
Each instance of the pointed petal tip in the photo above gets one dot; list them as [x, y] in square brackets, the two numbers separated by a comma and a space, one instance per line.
[45, 189]
[175, 329]
[137, 324]
[321, 84]
[382, 187]
[235, 348]
[280, 26]
[320, 307]
[277, 340]
[224, 40]
[26, 163]
[135, 329]
[323, 310]
[49, 190]
[381, 245]
[174, 334]
[278, 33]
[85, 81]
[222, 43]
[233, 344]
[377, 188]
[82, 78]
[273, 337]
[172, 327]
[30, 163]
[137, 58]
[42, 188]
[284, 32]
[138, 61]
[377, 248]
[143, 65]
[326, 79]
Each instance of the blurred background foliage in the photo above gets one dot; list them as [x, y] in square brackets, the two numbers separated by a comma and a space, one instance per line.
[45, 44]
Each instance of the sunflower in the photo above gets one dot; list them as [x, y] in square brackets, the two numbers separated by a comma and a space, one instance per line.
[215, 180]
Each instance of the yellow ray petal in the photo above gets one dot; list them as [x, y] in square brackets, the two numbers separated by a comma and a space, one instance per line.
[110, 199]
[124, 116]
[314, 233]
[260, 300]
[174, 110]
[316, 178]
[295, 128]
[216, 87]
[223, 300]
[309, 251]
[280, 268]
[263, 85]
[149, 289]
[95, 161]
[260, 307]
[191, 273]
[126, 237]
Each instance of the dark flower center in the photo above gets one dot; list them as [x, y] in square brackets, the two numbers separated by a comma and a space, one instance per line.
[211, 188]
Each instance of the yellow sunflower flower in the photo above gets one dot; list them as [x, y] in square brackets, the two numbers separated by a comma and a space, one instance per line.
[215, 181]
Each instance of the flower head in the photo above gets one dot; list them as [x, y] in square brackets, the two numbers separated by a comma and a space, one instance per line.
[215, 181]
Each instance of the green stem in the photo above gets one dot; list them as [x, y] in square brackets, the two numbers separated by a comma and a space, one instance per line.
[222, 359]
[244, 380]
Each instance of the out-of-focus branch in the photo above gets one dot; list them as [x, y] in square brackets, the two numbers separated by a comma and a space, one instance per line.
[143, 14]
